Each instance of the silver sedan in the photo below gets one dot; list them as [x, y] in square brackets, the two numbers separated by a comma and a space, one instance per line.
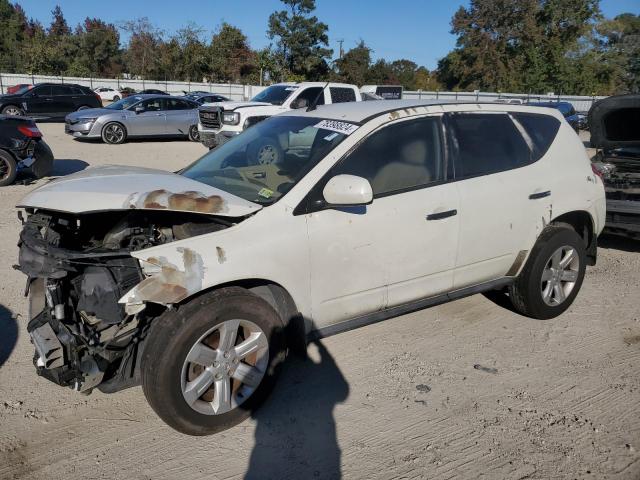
[136, 116]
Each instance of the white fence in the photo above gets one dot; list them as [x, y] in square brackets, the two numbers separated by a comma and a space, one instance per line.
[230, 90]
[245, 92]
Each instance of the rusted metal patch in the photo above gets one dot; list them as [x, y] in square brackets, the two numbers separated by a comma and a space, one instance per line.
[190, 201]
[171, 284]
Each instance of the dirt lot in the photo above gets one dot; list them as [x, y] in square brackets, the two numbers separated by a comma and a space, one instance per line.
[464, 390]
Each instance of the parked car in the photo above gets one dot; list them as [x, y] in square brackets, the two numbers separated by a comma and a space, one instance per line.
[202, 98]
[387, 92]
[22, 149]
[19, 86]
[109, 94]
[136, 116]
[615, 132]
[195, 283]
[567, 110]
[49, 100]
[221, 122]
[152, 91]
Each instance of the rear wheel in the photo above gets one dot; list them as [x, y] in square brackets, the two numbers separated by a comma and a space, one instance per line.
[209, 364]
[264, 151]
[8, 168]
[194, 134]
[12, 110]
[115, 98]
[114, 133]
[552, 276]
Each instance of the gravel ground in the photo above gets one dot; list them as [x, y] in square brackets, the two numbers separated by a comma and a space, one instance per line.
[464, 390]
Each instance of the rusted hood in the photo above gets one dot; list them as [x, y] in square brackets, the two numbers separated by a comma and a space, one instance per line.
[114, 187]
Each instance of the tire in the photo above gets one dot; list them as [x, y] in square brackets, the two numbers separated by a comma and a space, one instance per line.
[542, 299]
[194, 134]
[8, 168]
[264, 151]
[110, 133]
[115, 98]
[12, 110]
[168, 377]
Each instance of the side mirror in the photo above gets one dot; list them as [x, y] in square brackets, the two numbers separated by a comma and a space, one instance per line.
[347, 191]
[139, 109]
[300, 103]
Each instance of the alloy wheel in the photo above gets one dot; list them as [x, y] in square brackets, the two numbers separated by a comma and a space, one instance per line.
[12, 111]
[267, 155]
[224, 367]
[4, 169]
[114, 133]
[560, 275]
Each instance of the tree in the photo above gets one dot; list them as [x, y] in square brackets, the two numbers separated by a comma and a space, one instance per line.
[300, 39]
[142, 57]
[98, 49]
[11, 35]
[232, 60]
[519, 45]
[620, 45]
[193, 52]
[354, 65]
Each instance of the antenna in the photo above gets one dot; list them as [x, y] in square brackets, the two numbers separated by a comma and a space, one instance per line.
[314, 104]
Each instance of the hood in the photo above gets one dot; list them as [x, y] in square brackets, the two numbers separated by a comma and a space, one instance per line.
[614, 122]
[115, 187]
[92, 112]
[233, 105]
[10, 96]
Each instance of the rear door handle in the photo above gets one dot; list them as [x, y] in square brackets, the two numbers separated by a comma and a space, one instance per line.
[441, 215]
[535, 196]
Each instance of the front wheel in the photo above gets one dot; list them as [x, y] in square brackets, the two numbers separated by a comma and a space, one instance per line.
[264, 151]
[209, 364]
[552, 276]
[12, 110]
[114, 133]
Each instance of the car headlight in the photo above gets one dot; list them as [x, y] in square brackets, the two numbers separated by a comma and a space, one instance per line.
[604, 169]
[231, 118]
[86, 120]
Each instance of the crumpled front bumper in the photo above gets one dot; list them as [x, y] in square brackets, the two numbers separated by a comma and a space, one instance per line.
[214, 139]
[623, 216]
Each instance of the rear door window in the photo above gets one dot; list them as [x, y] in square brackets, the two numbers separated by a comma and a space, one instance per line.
[342, 95]
[487, 143]
[310, 94]
[542, 130]
[59, 90]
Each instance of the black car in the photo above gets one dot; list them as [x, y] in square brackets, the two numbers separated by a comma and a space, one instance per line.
[615, 131]
[152, 91]
[49, 100]
[22, 149]
[567, 111]
[206, 97]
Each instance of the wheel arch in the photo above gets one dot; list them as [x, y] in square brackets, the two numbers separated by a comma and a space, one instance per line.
[583, 223]
[278, 297]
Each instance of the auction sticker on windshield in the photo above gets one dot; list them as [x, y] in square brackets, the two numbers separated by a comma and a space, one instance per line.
[337, 126]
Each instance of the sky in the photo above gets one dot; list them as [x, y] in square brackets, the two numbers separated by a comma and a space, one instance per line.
[418, 30]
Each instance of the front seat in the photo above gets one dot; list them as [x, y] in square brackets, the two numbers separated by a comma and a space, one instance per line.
[408, 170]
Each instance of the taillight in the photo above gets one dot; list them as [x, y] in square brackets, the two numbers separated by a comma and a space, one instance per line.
[30, 131]
[596, 171]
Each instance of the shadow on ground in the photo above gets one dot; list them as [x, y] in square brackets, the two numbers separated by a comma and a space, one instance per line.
[8, 333]
[296, 432]
[617, 242]
[67, 166]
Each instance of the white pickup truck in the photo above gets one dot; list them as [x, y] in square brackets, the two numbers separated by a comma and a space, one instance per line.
[223, 120]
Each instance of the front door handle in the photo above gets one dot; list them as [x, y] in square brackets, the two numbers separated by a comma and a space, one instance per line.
[535, 196]
[441, 215]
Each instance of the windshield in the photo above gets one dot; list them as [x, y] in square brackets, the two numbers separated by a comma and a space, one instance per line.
[275, 94]
[124, 103]
[269, 158]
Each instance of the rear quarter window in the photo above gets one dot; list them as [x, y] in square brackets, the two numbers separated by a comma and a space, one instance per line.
[342, 95]
[542, 130]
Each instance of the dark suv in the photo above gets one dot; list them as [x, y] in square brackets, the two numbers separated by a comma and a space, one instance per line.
[49, 100]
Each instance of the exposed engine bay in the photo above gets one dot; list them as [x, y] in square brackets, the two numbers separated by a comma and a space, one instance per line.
[620, 172]
[78, 267]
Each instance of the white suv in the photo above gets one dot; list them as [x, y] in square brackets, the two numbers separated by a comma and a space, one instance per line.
[223, 120]
[195, 284]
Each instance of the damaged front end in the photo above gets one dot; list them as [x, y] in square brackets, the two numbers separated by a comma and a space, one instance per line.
[80, 267]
